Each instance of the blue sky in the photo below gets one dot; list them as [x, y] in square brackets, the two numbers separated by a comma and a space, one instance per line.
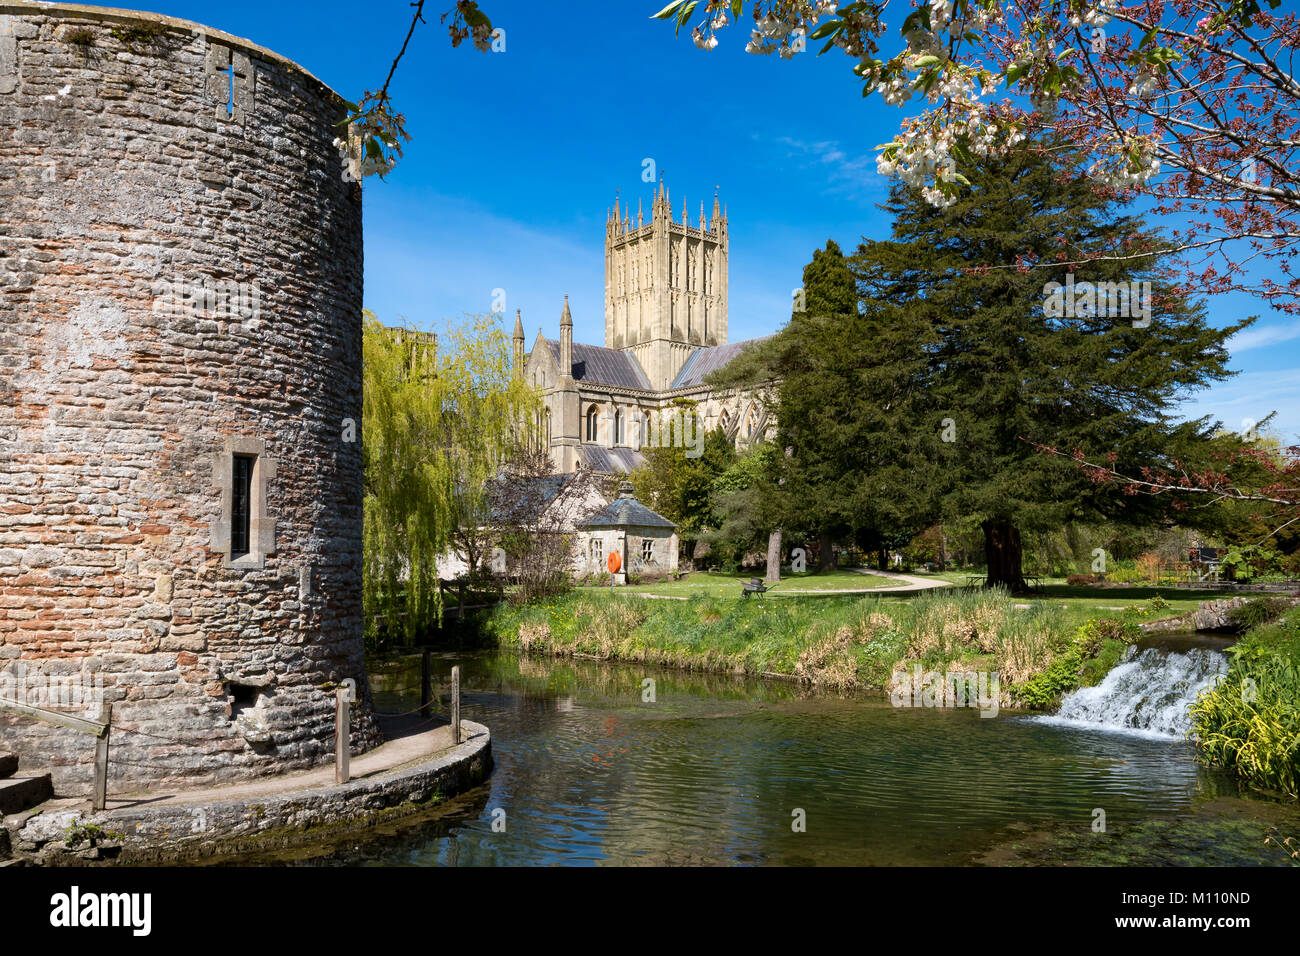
[517, 155]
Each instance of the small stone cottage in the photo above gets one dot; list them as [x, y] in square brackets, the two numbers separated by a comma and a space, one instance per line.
[645, 542]
[571, 506]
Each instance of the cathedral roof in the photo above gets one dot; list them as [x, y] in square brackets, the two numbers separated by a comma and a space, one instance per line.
[602, 366]
[707, 361]
[610, 461]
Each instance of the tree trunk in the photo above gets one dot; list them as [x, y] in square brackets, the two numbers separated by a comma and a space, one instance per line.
[882, 559]
[943, 549]
[773, 557]
[1003, 550]
[825, 552]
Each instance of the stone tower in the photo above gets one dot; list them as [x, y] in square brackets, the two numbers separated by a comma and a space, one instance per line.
[180, 399]
[665, 285]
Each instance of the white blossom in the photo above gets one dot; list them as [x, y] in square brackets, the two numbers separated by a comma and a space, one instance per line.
[1144, 85]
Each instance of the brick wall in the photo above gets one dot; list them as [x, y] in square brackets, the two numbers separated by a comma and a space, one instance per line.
[180, 275]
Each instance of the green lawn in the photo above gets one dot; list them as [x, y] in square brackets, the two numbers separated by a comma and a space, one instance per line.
[718, 584]
[1081, 603]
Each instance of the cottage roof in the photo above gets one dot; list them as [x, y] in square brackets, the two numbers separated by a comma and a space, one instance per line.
[625, 511]
[523, 500]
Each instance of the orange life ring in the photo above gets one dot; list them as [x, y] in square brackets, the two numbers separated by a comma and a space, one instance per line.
[615, 562]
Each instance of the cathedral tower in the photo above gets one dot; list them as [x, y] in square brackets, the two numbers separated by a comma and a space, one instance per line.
[665, 285]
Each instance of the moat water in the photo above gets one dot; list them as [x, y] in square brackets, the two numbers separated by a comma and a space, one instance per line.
[727, 771]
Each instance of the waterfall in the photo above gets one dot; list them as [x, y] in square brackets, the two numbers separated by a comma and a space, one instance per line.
[1148, 693]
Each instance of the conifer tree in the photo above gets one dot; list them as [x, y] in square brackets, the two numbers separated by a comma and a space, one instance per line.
[916, 394]
[998, 357]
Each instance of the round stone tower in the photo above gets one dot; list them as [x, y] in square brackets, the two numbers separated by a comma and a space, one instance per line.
[180, 400]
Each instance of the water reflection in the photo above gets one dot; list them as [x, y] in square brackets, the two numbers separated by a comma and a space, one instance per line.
[712, 771]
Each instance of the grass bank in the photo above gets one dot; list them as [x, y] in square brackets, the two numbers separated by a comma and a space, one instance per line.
[1040, 651]
[1250, 722]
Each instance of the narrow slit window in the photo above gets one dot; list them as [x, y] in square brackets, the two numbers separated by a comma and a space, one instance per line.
[241, 504]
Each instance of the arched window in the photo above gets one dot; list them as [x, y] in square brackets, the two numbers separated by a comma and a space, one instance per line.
[548, 429]
[618, 427]
[592, 423]
[752, 426]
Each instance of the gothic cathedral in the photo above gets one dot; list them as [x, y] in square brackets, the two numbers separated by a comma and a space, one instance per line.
[665, 331]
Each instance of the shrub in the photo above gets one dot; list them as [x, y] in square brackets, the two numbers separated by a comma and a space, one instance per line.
[1094, 649]
[81, 36]
[1250, 721]
[1080, 579]
[1259, 611]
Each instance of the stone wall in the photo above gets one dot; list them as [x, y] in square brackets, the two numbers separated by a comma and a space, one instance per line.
[180, 282]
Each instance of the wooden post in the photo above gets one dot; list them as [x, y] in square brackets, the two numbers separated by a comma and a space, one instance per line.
[455, 705]
[101, 757]
[426, 683]
[342, 737]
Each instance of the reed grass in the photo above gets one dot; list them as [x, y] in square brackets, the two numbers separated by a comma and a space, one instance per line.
[842, 644]
[1249, 722]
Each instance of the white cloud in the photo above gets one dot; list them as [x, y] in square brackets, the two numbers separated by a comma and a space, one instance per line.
[1248, 397]
[1261, 336]
[855, 176]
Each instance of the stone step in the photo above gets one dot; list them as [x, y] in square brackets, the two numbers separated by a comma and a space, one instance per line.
[8, 765]
[22, 793]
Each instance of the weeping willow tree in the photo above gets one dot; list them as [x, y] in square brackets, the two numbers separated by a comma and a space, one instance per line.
[440, 413]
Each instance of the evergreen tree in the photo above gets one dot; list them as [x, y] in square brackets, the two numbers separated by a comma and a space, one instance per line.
[1000, 360]
[913, 387]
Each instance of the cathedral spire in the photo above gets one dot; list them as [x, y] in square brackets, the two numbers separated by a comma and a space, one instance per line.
[518, 338]
[638, 213]
[566, 340]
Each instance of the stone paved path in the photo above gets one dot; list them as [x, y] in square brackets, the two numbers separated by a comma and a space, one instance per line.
[910, 583]
[391, 755]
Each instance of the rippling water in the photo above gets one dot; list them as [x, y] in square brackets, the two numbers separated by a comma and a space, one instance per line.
[716, 769]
